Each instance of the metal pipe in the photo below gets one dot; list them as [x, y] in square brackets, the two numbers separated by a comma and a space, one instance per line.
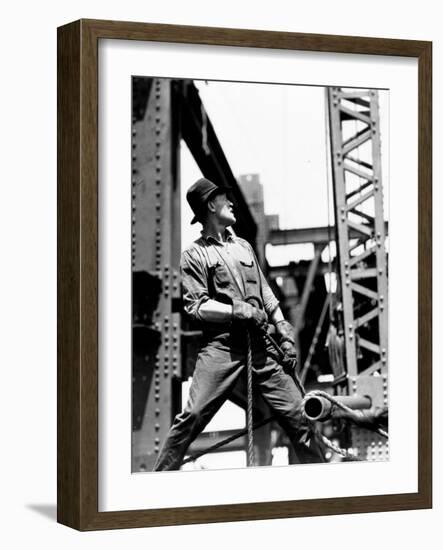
[317, 407]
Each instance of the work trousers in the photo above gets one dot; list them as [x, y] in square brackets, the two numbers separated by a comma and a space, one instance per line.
[219, 364]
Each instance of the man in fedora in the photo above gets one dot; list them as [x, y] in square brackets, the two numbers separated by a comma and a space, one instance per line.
[225, 290]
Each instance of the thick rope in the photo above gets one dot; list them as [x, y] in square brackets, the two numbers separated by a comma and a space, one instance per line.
[249, 419]
[335, 448]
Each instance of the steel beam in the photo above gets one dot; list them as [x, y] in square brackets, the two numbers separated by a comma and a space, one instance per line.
[314, 235]
[156, 253]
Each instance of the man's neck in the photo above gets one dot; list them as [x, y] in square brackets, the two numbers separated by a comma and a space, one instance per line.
[215, 230]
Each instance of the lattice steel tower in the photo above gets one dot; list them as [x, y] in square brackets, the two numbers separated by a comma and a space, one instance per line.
[361, 244]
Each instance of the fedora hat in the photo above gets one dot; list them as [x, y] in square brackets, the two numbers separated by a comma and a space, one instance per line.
[199, 193]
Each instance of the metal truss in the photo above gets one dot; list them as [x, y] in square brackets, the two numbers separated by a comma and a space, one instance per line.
[361, 244]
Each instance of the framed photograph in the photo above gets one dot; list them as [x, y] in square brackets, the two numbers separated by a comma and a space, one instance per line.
[244, 274]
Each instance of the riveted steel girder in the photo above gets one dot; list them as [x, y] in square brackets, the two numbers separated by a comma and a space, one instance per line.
[155, 254]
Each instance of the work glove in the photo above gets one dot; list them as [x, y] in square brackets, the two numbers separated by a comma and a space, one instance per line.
[287, 345]
[242, 311]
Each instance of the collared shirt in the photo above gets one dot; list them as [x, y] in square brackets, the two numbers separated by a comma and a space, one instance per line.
[223, 271]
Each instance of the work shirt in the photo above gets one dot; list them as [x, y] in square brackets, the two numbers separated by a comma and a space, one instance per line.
[222, 271]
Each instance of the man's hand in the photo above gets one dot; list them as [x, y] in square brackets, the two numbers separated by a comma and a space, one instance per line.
[242, 311]
[289, 350]
[287, 344]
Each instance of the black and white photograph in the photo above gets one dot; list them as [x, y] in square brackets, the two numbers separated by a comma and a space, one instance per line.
[260, 223]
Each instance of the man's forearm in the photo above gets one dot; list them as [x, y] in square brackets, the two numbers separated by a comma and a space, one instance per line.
[215, 312]
[218, 312]
[276, 316]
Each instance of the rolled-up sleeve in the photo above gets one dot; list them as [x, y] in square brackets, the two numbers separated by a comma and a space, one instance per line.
[195, 283]
[270, 302]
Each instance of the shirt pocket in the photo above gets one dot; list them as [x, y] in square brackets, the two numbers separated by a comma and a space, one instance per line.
[249, 270]
[221, 276]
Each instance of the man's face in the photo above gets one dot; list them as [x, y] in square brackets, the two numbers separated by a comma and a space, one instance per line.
[223, 209]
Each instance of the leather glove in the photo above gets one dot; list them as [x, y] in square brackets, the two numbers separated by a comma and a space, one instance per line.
[242, 311]
[287, 344]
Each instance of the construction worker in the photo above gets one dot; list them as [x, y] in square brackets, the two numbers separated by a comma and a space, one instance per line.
[224, 289]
